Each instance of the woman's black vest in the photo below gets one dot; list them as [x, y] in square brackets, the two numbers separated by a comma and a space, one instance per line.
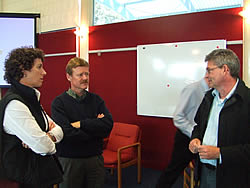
[16, 162]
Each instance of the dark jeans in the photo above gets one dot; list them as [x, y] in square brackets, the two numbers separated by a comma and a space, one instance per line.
[181, 156]
[208, 177]
[83, 172]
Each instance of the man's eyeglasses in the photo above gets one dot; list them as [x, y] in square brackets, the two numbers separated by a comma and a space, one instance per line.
[211, 69]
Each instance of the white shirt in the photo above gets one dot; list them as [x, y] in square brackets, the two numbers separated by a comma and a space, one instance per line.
[19, 121]
[190, 100]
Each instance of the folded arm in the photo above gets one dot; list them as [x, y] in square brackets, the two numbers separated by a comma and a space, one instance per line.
[60, 116]
[19, 121]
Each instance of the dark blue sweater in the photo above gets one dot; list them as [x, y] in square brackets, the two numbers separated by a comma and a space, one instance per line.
[88, 140]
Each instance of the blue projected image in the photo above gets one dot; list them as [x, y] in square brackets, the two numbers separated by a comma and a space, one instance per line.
[15, 32]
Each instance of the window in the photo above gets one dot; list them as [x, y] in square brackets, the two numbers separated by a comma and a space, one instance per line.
[111, 11]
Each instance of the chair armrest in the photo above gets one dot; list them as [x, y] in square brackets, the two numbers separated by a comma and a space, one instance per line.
[137, 144]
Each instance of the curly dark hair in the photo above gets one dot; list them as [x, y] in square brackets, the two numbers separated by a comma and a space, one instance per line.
[20, 59]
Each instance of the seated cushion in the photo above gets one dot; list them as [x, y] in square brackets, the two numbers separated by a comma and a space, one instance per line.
[121, 135]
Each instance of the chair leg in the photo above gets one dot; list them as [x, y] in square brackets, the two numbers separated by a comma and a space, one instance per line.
[119, 176]
[139, 172]
[112, 171]
[192, 178]
[139, 165]
[186, 178]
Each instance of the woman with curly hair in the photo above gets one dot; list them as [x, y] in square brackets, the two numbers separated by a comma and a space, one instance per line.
[27, 134]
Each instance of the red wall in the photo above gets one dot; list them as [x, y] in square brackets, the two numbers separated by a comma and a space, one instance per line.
[113, 74]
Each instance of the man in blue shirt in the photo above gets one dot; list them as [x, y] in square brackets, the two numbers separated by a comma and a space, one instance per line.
[221, 136]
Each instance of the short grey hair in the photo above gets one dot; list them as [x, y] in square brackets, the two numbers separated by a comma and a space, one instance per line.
[227, 57]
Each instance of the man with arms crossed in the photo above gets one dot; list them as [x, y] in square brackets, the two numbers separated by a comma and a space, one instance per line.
[85, 121]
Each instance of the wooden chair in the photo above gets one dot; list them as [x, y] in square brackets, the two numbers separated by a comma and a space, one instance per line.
[123, 149]
[188, 176]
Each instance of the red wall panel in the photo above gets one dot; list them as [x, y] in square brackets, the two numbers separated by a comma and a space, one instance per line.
[57, 41]
[113, 74]
[117, 81]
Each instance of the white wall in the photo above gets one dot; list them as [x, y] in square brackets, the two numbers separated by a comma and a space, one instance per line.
[1, 5]
[55, 14]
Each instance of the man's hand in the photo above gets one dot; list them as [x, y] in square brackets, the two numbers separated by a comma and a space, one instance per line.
[76, 124]
[209, 152]
[25, 145]
[51, 125]
[194, 145]
[51, 136]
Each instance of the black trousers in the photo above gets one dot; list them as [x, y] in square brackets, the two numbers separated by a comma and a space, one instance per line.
[181, 156]
[83, 172]
[208, 177]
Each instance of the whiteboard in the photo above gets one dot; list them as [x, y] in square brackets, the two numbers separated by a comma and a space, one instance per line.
[163, 70]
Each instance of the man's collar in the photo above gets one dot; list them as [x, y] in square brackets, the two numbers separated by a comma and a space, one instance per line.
[216, 93]
[74, 95]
